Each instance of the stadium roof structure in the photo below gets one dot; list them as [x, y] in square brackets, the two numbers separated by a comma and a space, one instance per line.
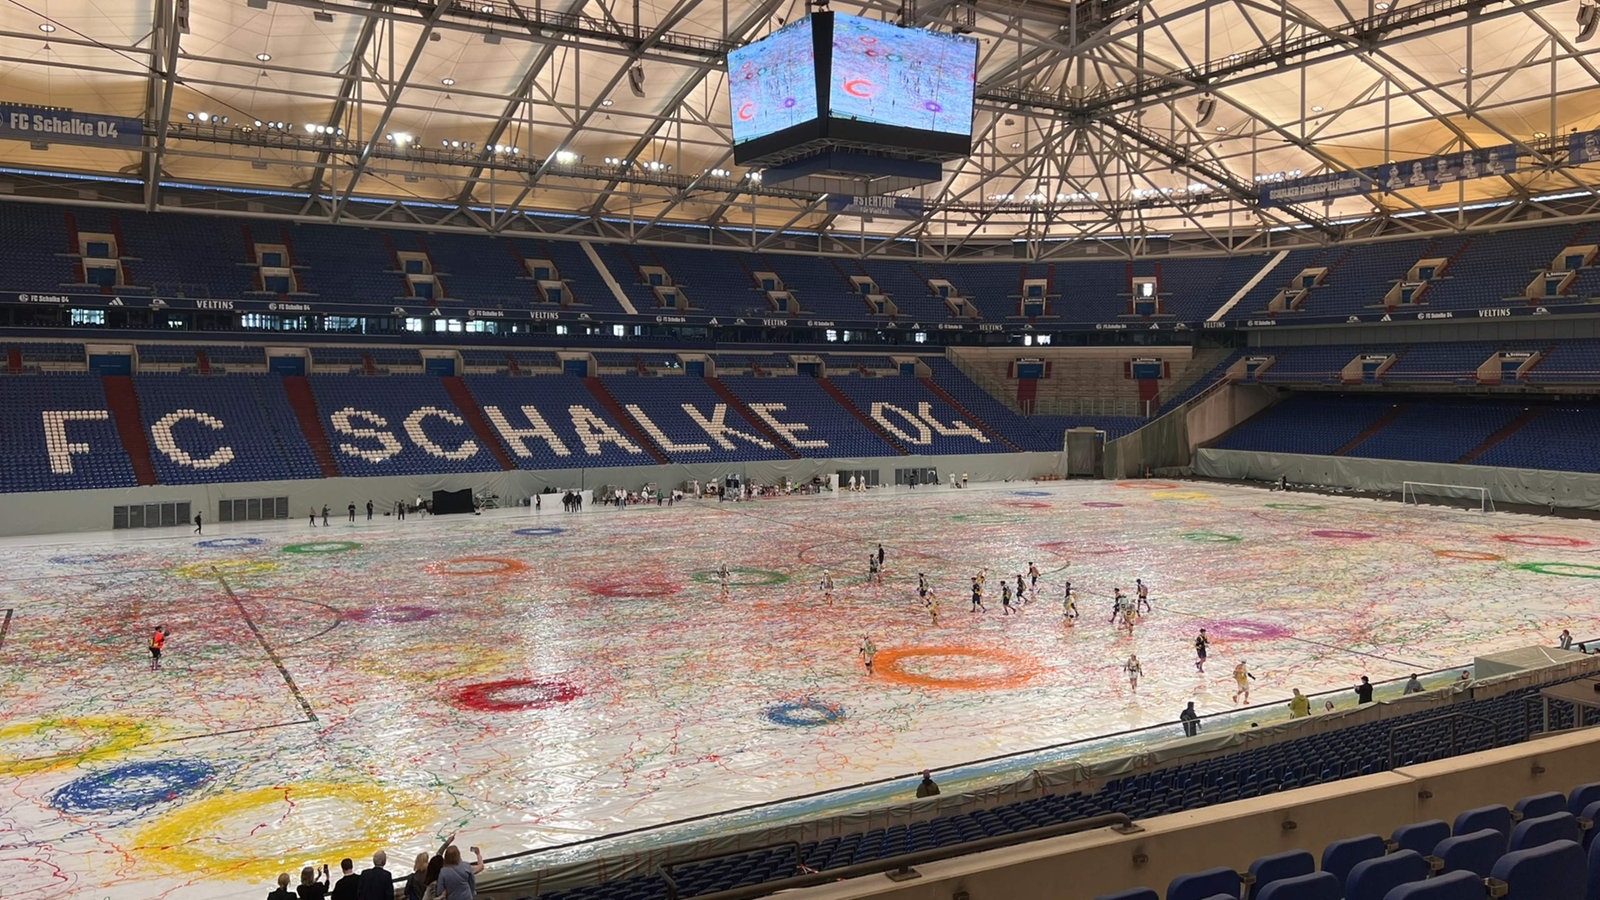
[1102, 126]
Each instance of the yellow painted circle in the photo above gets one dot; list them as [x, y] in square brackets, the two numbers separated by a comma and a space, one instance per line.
[1180, 495]
[226, 568]
[27, 748]
[444, 663]
[256, 834]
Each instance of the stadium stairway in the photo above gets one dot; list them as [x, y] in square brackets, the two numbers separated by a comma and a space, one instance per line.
[1383, 422]
[124, 403]
[1512, 427]
[838, 396]
[738, 406]
[602, 395]
[934, 388]
[462, 397]
[298, 390]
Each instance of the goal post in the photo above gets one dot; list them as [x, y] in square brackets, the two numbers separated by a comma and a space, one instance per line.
[1468, 495]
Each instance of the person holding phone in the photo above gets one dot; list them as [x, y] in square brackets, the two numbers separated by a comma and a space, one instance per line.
[458, 880]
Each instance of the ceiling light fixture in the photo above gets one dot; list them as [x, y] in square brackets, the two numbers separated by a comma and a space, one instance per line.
[47, 28]
[264, 57]
[1015, 144]
[1381, 5]
[606, 102]
[1317, 108]
[1463, 70]
[1539, 135]
[1222, 129]
[447, 82]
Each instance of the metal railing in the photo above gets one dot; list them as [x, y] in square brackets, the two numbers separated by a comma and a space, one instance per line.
[1455, 731]
[899, 867]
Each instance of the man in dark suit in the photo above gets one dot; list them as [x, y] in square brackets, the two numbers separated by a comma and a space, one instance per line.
[376, 883]
[345, 887]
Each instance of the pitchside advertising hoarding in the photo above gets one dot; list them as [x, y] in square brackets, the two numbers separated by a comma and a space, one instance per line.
[34, 124]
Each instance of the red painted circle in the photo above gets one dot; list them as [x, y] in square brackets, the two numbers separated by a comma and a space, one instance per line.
[513, 694]
[1540, 540]
[858, 87]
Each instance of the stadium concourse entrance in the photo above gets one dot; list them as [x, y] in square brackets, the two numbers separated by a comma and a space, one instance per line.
[92, 510]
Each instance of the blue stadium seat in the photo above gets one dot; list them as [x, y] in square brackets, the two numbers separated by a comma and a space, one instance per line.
[1552, 871]
[1496, 817]
[1339, 857]
[1475, 852]
[1317, 886]
[1278, 866]
[1202, 885]
[1594, 872]
[1138, 893]
[1535, 832]
[1582, 796]
[1590, 814]
[1421, 836]
[1373, 879]
[1539, 805]
[1449, 886]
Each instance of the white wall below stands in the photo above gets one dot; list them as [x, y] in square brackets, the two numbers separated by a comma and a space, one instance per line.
[58, 512]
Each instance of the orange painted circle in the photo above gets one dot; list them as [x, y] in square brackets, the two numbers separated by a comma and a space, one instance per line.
[1470, 555]
[476, 565]
[1016, 670]
[1148, 485]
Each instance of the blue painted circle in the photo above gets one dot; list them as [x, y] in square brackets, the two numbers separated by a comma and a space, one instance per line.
[232, 543]
[804, 714]
[132, 786]
[86, 559]
[1031, 493]
[538, 532]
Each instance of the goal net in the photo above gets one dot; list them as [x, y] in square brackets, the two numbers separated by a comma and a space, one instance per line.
[1461, 496]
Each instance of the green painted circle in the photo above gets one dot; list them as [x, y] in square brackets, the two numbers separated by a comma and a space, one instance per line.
[320, 547]
[1554, 568]
[1211, 537]
[743, 577]
[1298, 507]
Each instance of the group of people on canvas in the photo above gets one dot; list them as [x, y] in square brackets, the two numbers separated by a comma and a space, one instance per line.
[441, 876]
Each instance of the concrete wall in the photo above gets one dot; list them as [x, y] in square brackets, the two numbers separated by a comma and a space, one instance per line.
[1079, 867]
[78, 511]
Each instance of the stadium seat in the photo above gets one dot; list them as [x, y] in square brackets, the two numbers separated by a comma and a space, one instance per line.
[1450, 886]
[1496, 817]
[1421, 836]
[1373, 879]
[1594, 873]
[1582, 796]
[1475, 852]
[1203, 885]
[1339, 857]
[1138, 893]
[1539, 805]
[1589, 814]
[1316, 886]
[1535, 832]
[1278, 866]
[1543, 873]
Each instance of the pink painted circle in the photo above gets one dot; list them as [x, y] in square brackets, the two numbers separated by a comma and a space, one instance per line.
[1541, 540]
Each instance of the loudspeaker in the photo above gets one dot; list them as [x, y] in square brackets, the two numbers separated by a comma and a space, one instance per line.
[636, 80]
[1588, 20]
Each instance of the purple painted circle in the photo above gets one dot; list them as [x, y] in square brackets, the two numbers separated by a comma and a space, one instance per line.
[1247, 631]
[1031, 493]
[392, 615]
[1346, 535]
[1102, 504]
[538, 532]
[789, 103]
[933, 106]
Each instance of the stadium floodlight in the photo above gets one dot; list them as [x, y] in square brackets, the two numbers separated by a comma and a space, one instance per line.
[1588, 21]
[1206, 109]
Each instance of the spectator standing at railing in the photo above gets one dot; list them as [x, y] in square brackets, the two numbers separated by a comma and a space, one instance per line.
[1364, 691]
[1190, 720]
[376, 883]
[311, 887]
[1299, 706]
[1413, 686]
[283, 892]
[459, 880]
[345, 887]
[1565, 640]
[927, 788]
[417, 882]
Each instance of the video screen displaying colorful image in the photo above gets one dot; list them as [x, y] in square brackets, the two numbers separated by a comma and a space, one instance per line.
[772, 83]
[906, 77]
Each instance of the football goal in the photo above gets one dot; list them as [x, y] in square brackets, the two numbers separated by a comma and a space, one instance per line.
[1467, 496]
